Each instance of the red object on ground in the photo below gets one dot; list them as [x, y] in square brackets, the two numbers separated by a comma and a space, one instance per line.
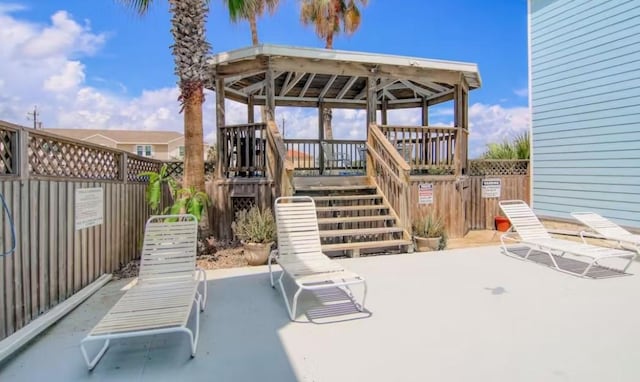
[502, 224]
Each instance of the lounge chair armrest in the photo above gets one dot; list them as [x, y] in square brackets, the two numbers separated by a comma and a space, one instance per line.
[201, 275]
[582, 236]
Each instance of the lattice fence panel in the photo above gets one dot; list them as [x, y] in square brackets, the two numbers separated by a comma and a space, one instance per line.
[8, 152]
[176, 169]
[52, 156]
[137, 165]
[498, 167]
[240, 203]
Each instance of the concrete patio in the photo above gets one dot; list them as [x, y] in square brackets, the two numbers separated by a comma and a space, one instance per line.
[463, 315]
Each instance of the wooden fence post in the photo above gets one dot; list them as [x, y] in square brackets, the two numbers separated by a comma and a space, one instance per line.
[124, 167]
[22, 146]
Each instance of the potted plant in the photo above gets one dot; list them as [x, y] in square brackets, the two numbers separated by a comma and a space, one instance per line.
[429, 232]
[502, 223]
[256, 229]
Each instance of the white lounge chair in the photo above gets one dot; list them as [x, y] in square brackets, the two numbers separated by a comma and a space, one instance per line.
[300, 256]
[608, 229]
[532, 233]
[169, 288]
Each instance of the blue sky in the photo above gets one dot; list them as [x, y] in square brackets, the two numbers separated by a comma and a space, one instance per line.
[98, 64]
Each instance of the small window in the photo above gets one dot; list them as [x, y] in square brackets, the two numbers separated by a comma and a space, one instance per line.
[181, 151]
[144, 150]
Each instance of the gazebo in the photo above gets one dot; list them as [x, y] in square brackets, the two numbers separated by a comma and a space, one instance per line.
[255, 164]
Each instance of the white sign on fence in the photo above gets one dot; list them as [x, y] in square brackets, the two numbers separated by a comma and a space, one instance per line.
[89, 208]
[425, 193]
[491, 187]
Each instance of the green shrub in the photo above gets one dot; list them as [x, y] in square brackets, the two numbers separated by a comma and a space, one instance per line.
[428, 225]
[254, 225]
[518, 148]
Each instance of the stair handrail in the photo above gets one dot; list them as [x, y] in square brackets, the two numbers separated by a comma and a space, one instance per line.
[391, 173]
[279, 167]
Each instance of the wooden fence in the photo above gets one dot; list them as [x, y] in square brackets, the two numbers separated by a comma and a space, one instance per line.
[39, 177]
[515, 184]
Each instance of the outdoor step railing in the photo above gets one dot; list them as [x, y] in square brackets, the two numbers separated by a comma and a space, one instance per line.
[391, 173]
[243, 149]
[279, 167]
[316, 157]
[427, 149]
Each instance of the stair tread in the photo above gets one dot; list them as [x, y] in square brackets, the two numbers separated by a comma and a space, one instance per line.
[359, 231]
[355, 187]
[364, 244]
[353, 208]
[352, 219]
[346, 197]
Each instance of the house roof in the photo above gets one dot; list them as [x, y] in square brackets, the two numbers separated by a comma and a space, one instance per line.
[296, 154]
[121, 136]
[304, 76]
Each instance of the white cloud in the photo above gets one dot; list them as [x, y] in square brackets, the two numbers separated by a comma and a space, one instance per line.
[522, 92]
[494, 123]
[42, 65]
[63, 36]
[71, 75]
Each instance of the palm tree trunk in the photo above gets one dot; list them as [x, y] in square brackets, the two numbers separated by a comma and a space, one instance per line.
[193, 141]
[327, 116]
[254, 29]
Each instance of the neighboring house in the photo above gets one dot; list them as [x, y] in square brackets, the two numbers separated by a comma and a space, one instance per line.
[585, 107]
[162, 145]
[301, 159]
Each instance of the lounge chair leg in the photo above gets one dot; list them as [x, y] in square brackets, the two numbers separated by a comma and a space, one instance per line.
[290, 310]
[629, 263]
[193, 339]
[272, 256]
[591, 264]
[92, 363]
[203, 295]
[295, 304]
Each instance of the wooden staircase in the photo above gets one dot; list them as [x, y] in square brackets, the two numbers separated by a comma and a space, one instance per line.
[353, 217]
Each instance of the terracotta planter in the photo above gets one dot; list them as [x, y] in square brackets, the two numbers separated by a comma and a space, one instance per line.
[502, 223]
[257, 253]
[426, 244]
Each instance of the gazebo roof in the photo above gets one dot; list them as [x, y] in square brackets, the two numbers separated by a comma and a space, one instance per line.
[306, 76]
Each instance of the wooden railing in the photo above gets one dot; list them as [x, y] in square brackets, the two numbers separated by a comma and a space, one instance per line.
[427, 149]
[279, 168]
[391, 173]
[315, 157]
[243, 149]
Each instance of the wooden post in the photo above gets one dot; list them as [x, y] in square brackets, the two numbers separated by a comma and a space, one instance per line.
[321, 136]
[125, 168]
[220, 123]
[270, 92]
[372, 100]
[383, 112]
[250, 110]
[22, 147]
[425, 112]
[457, 121]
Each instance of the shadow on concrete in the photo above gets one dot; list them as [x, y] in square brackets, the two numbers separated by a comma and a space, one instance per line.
[566, 263]
[239, 341]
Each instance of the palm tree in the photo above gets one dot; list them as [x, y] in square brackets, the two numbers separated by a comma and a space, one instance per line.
[330, 17]
[250, 10]
[190, 50]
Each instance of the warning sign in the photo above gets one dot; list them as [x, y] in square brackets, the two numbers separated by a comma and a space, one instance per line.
[425, 193]
[89, 207]
[491, 188]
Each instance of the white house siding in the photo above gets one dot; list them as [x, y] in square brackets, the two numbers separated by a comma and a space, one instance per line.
[585, 86]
